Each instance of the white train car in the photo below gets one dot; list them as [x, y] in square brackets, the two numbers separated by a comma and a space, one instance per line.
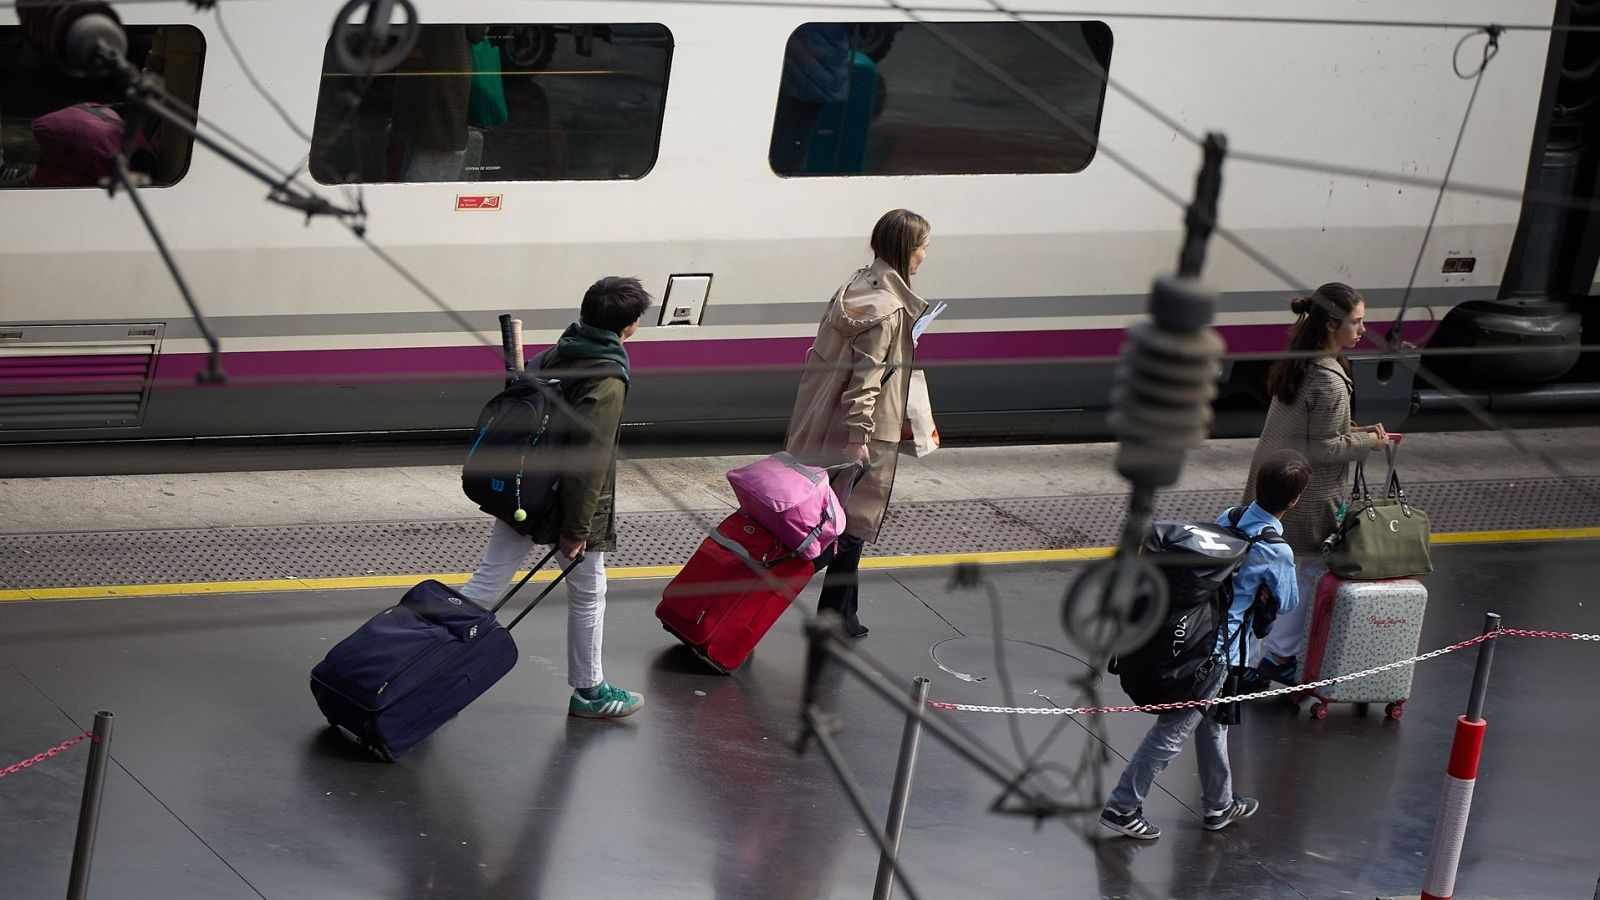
[734, 157]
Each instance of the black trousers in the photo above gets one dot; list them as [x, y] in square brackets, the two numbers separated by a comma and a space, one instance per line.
[841, 586]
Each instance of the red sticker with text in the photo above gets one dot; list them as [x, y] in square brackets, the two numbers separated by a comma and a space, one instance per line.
[477, 201]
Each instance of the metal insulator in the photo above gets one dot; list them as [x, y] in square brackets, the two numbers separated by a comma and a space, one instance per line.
[1165, 382]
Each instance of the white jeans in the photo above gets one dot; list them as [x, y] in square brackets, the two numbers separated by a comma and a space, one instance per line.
[586, 597]
[1288, 635]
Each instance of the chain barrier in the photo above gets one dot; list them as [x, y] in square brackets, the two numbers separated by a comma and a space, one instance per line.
[41, 757]
[1260, 695]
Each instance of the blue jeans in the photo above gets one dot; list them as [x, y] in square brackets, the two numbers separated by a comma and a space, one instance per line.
[1162, 744]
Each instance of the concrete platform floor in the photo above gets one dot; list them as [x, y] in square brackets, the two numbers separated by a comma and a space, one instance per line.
[226, 783]
[430, 493]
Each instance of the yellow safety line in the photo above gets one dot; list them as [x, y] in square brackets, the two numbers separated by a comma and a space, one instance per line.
[1526, 534]
[923, 560]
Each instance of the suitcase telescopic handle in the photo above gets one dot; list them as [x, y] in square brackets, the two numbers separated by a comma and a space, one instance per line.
[560, 576]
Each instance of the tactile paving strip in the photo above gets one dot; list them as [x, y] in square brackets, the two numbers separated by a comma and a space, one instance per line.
[668, 538]
[329, 551]
[127, 557]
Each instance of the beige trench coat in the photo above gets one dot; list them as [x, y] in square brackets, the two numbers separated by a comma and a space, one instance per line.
[854, 386]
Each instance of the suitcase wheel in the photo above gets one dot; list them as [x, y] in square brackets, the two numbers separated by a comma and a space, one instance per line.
[1395, 709]
[1319, 710]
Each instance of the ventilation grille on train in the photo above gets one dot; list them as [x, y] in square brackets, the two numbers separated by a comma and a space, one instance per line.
[75, 376]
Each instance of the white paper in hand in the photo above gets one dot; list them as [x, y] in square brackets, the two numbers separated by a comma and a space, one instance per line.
[922, 323]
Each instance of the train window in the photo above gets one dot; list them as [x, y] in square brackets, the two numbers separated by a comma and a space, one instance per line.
[61, 131]
[882, 98]
[499, 103]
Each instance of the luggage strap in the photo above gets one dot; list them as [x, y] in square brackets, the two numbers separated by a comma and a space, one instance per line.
[737, 549]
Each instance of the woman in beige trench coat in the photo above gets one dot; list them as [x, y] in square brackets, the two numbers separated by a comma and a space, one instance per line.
[1310, 412]
[852, 398]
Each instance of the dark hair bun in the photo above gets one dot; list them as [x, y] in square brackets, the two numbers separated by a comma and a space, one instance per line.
[1300, 306]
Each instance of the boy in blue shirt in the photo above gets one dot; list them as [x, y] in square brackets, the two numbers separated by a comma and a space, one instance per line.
[1269, 565]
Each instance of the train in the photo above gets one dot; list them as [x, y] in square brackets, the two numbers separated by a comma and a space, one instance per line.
[734, 157]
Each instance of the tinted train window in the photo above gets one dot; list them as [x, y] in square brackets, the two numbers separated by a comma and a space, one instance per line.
[499, 103]
[880, 98]
[60, 131]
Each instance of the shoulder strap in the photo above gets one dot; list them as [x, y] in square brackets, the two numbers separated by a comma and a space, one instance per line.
[1267, 535]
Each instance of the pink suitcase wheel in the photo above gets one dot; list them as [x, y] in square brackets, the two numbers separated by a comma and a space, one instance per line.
[1395, 709]
[1319, 711]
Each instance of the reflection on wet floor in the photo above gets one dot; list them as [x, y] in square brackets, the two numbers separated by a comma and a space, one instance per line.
[702, 795]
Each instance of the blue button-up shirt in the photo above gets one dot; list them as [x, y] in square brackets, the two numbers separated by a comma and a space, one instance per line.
[1265, 564]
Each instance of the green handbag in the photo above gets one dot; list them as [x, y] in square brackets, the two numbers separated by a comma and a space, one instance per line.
[1383, 538]
[486, 100]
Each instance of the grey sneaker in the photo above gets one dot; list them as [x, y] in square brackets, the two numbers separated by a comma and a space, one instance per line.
[1240, 808]
[1133, 824]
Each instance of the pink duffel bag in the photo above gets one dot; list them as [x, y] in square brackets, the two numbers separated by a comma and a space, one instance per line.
[792, 500]
[78, 144]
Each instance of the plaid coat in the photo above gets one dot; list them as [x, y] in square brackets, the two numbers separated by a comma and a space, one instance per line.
[1318, 425]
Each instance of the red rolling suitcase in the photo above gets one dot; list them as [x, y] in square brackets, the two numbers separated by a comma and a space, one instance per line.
[736, 585]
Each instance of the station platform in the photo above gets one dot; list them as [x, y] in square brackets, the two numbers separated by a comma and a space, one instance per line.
[120, 535]
[200, 603]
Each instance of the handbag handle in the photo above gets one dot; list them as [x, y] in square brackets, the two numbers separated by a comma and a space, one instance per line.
[1393, 490]
[1358, 487]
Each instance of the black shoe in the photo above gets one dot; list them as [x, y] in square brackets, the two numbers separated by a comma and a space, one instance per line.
[1133, 824]
[854, 628]
[1240, 808]
[1252, 681]
[1286, 672]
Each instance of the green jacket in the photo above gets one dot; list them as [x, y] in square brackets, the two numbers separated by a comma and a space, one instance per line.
[587, 504]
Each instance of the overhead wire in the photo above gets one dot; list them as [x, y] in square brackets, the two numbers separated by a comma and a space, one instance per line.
[1244, 247]
[1470, 405]
[1491, 47]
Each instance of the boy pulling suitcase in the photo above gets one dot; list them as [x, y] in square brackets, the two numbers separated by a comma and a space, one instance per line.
[1266, 564]
[584, 526]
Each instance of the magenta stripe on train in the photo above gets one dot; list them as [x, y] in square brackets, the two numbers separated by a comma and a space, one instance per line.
[707, 354]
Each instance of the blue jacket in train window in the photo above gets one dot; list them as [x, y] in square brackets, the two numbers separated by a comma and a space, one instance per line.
[824, 103]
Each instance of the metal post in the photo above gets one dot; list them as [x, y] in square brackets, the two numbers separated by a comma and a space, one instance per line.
[1461, 776]
[910, 740]
[1480, 675]
[89, 812]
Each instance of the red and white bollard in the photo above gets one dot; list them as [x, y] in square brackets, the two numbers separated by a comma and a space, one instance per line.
[1450, 829]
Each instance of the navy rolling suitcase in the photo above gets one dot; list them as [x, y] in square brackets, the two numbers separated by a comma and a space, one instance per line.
[412, 667]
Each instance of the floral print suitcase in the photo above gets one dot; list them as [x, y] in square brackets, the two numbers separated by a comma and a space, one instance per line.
[1356, 625]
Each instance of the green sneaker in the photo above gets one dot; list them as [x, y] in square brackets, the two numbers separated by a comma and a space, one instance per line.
[611, 702]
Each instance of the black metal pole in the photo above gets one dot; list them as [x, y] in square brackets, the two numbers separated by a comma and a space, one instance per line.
[910, 740]
[1480, 675]
[89, 812]
[819, 729]
[1039, 803]
[150, 97]
[213, 373]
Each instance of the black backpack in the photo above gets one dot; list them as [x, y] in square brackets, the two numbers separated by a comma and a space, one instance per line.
[510, 469]
[1198, 560]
